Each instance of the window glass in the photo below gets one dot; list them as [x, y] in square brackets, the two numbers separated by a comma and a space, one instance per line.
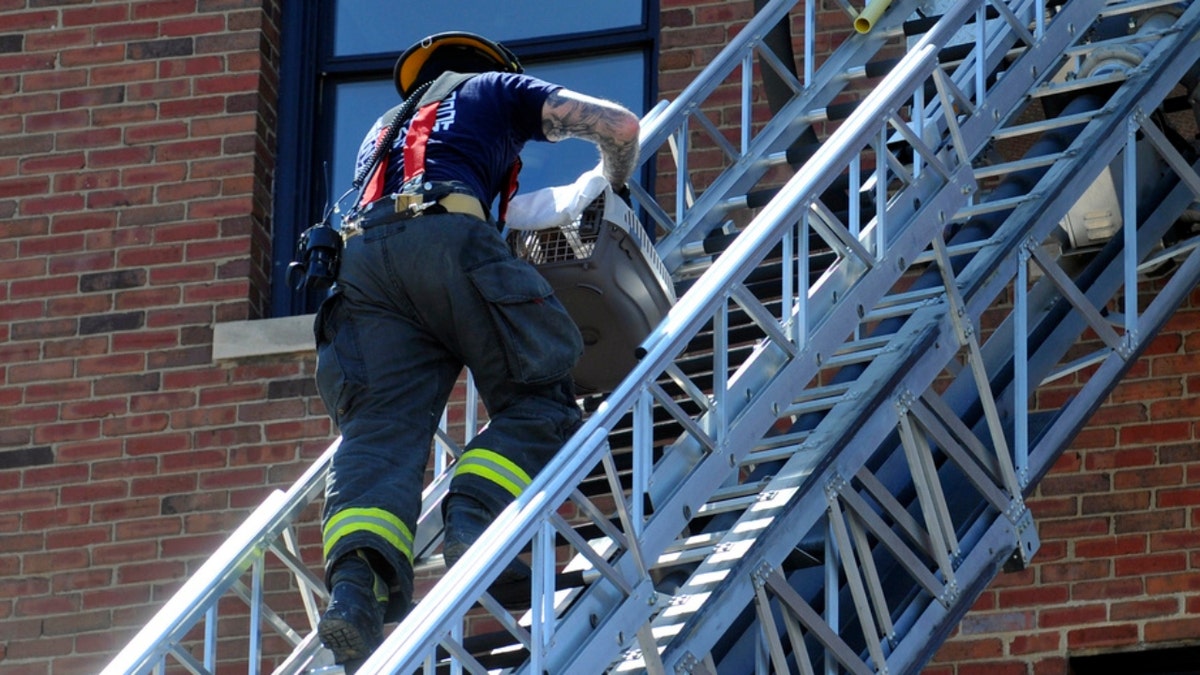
[617, 77]
[380, 26]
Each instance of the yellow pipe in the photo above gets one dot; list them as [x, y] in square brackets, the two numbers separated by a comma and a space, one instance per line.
[870, 14]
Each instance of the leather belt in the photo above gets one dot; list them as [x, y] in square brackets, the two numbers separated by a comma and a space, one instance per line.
[403, 207]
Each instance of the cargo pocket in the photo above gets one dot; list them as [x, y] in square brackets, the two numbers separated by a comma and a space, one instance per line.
[341, 371]
[540, 340]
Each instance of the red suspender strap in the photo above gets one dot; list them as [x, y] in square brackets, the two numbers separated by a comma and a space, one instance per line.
[509, 189]
[414, 152]
[374, 188]
[416, 139]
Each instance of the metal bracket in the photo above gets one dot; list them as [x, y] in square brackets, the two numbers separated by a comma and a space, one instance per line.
[1028, 543]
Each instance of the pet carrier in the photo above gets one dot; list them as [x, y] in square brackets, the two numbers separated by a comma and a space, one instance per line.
[605, 271]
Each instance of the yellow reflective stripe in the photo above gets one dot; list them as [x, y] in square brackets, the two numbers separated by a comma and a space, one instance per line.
[376, 521]
[494, 467]
[491, 476]
[497, 458]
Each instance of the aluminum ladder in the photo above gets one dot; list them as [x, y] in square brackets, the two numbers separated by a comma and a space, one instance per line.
[819, 461]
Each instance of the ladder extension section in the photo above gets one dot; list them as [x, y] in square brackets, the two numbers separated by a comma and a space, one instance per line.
[821, 459]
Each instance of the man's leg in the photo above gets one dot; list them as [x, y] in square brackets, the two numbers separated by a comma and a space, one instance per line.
[385, 384]
[500, 463]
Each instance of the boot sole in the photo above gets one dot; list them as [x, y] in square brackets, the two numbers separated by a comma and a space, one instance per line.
[344, 639]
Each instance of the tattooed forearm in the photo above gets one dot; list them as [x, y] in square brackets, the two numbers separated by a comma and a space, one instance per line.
[613, 129]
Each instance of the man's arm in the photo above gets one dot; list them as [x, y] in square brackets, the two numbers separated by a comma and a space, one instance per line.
[569, 114]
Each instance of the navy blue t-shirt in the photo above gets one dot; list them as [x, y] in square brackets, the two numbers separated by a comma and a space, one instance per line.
[480, 129]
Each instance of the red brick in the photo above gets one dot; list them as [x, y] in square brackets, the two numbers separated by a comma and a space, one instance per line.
[77, 537]
[1172, 630]
[96, 491]
[1077, 614]
[126, 509]
[1182, 497]
[1144, 609]
[74, 431]
[1150, 521]
[1004, 667]
[1035, 643]
[59, 517]
[1171, 584]
[89, 451]
[971, 650]
[1102, 636]
[1173, 541]
[136, 424]
[1032, 597]
[148, 528]
[163, 485]
[1159, 432]
[159, 443]
[1107, 589]
[1109, 547]
[1150, 564]
[1053, 665]
[55, 561]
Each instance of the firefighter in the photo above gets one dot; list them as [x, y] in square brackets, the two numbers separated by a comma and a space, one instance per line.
[425, 286]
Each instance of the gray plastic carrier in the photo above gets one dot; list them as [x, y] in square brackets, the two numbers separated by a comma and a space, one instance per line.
[605, 271]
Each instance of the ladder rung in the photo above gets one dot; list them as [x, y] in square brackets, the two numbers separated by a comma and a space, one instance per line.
[831, 396]
[780, 453]
[1118, 8]
[714, 507]
[820, 393]
[1042, 126]
[969, 248]
[1022, 164]
[903, 304]
[1056, 88]
[858, 351]
[690, 549]
[782, 440]
[975, 210]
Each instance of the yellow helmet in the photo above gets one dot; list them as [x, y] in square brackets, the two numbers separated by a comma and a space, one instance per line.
[456, 51]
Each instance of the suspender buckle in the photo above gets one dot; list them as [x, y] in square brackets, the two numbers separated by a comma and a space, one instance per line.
[410, 203]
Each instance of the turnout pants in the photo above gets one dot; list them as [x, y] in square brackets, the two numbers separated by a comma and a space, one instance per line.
[416, 300]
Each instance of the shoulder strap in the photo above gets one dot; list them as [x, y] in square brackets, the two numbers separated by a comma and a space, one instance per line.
[428, 94]
[416, 139]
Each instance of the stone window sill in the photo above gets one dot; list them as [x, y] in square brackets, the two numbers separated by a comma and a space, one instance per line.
[263, 337]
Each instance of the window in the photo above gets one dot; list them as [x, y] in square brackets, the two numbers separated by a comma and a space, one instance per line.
[336, 80]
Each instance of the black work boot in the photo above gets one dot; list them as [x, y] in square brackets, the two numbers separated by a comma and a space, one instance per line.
[466, 519]
[352, 626]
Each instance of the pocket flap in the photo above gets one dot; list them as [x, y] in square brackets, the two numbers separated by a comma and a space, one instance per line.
[511, 281]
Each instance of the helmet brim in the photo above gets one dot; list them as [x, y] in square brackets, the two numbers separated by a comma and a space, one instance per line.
[407, 73]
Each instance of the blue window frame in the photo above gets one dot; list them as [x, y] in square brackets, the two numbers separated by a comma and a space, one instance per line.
[336, 80]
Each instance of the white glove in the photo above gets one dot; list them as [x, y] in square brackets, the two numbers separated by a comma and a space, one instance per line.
[555, 206]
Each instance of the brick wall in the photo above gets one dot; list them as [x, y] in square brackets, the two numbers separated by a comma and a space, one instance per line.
[136, 155]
